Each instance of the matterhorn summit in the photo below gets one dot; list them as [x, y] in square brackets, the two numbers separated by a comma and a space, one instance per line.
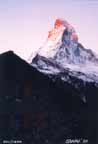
[55, 38]
[62, 51]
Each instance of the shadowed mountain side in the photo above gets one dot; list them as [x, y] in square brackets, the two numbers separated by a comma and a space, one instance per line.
[38, 109]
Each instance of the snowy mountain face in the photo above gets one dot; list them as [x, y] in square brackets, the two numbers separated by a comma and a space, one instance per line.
[62, 45]
[62, 52]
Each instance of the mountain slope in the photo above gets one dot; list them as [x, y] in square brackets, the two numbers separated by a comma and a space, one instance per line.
[39, 108]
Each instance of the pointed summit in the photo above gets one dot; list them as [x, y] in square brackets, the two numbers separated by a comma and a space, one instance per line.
[62, 33]
[60, 26]
[61, 22]
[57, 30]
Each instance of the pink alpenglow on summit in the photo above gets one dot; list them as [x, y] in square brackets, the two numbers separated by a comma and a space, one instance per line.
[57, 31]
[56, 36]
[59, 27]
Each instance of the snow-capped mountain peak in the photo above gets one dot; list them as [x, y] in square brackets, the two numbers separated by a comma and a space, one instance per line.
[63, 46]
[62, 51]
[55, 37]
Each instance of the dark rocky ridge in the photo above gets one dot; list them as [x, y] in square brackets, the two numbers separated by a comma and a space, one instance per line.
[38, 109]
